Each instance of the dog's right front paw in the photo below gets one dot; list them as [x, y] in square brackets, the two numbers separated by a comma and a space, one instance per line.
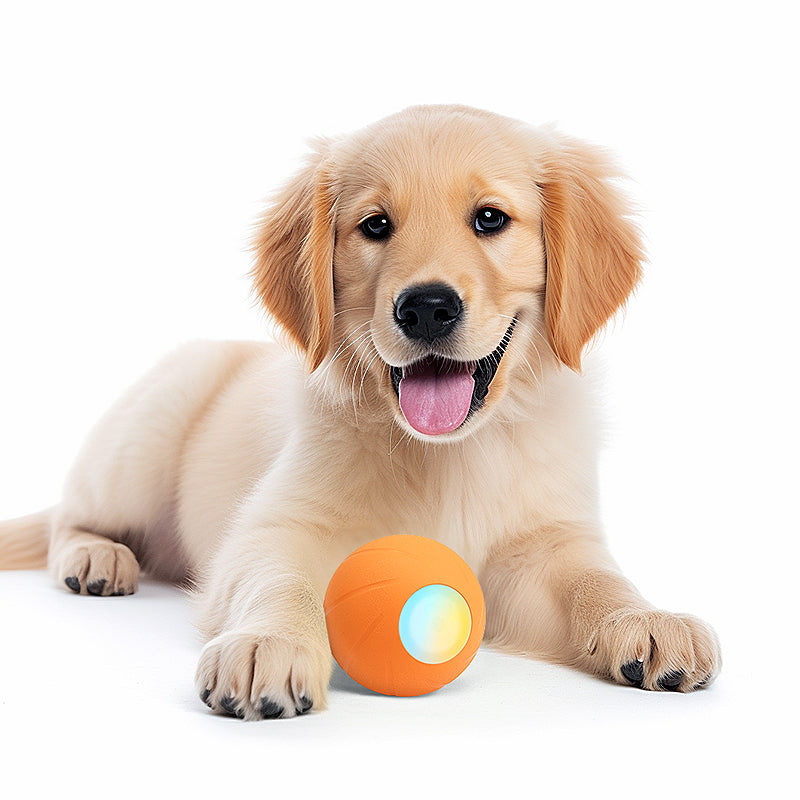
[262, 677]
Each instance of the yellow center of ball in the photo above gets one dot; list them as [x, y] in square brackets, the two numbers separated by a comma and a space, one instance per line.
[435, 624]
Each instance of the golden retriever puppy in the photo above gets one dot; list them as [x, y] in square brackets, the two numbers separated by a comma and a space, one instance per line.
[440, 273]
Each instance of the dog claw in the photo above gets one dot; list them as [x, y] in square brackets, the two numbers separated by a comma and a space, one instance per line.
[633, 671]
[96, 587]
[270, 709]
[671, 681]
[305, 704]
[227, 704]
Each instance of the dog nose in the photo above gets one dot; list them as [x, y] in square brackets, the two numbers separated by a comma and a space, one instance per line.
[428, 312]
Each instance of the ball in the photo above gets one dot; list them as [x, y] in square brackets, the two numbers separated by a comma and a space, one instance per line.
[405, 615]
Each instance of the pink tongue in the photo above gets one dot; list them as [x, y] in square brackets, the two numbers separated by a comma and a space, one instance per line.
[434, 404]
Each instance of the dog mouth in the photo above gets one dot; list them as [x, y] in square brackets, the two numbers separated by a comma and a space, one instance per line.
[437, 394]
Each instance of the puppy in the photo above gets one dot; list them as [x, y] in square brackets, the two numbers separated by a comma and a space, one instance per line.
[440, 273]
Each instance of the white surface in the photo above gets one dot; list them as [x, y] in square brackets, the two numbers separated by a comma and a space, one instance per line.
[92, 688]
[136, 148]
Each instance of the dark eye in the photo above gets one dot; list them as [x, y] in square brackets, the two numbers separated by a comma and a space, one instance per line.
[489, 220]
[377, 226]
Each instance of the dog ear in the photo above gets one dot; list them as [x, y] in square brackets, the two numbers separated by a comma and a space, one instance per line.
[592, 247]
[293, 270]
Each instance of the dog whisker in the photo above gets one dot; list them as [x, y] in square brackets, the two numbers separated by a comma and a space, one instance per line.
[354, 345]
[349, 310]
[344, 344]
[365, 340]
[348, 374]
[405, 435]
[342, 351]
[365, 372]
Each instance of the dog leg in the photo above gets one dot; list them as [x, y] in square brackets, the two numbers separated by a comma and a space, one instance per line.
[261, 607]
[559, 594]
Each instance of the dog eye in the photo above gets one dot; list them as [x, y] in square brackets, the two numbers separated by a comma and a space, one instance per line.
[377, 226]
[489, 220]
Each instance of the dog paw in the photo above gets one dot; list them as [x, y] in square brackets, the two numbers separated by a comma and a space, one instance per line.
[101, 568]
[655, 650]
[262, 677]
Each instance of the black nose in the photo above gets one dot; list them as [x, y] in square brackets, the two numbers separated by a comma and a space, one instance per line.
[428, 312]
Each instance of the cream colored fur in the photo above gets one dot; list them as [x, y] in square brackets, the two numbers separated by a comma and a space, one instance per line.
[235, 466]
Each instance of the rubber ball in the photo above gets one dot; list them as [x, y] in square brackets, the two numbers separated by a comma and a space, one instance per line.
[405, 615]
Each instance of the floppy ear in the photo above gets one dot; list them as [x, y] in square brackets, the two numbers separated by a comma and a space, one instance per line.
[293, 270]
[592, 248]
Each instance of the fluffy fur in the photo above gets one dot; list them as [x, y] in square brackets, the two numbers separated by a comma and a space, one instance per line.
[237, 467]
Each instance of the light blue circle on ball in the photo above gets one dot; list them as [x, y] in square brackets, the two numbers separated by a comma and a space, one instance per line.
[435, 624]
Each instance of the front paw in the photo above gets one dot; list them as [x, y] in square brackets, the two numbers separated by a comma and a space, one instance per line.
[655, 650]
[262, 677]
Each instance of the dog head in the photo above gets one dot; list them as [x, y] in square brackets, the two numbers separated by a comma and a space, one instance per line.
[434, 258]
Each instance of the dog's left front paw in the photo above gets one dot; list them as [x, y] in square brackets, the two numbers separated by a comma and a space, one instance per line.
[655, 650]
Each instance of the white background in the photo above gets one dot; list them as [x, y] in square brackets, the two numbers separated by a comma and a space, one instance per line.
[138, 142]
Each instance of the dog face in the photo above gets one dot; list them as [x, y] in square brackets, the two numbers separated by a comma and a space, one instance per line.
[442, 256]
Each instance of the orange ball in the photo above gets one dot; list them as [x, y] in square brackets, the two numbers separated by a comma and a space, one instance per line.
[405, 615]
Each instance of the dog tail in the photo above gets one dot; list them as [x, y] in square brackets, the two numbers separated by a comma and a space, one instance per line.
[23, 541]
